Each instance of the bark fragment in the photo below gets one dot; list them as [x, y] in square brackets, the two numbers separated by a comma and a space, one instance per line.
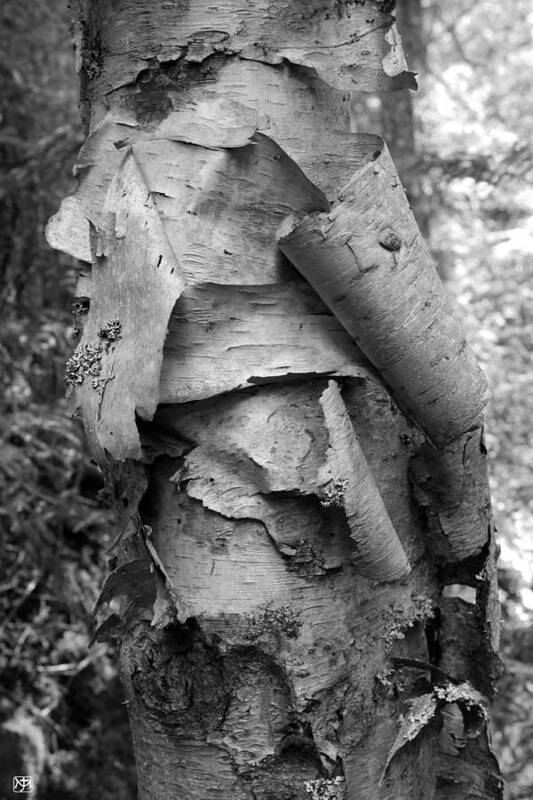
[137, 280]
[367, 261]
[471, 707]
[345, 480]
[135, 583]
[68, 230]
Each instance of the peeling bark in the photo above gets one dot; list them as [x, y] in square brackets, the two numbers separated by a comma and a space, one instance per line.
[264, 478]
[222, 338]
[344, 42]
[136, 282]
[368, 262]
[346, 481]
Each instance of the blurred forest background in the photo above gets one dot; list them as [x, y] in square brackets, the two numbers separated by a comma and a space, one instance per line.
[463, 146]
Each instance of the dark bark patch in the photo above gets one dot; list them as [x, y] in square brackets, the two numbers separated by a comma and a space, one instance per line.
[134, 582]
[472, 773]
[91, 50]
[162, 87]
[277, 620]
[450, 487]
[462, 646]
[304, 559]
[91, 45]
[180, 680]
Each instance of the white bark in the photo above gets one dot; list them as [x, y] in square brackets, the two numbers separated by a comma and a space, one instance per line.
[255, 645]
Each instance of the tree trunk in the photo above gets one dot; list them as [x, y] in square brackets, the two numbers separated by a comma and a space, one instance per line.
[299, 562]
[397, 113]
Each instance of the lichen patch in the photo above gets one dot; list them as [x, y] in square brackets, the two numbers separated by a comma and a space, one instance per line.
[85, 361]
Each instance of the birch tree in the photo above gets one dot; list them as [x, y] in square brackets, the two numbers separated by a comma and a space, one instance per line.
[285, 409]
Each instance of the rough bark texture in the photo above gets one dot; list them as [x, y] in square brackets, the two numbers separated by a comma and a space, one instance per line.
[286, 534]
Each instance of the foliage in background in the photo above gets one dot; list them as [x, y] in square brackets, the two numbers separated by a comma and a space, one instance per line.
[475, 115]
[472, 173]
[54, 531]
[53, 528]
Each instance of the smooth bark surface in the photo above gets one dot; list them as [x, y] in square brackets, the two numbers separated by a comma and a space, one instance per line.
[271, 496]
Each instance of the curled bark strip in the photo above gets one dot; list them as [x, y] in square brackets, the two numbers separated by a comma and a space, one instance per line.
[368, 262]
[346, 480]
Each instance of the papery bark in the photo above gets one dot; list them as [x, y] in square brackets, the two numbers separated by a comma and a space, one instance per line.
[229, 402]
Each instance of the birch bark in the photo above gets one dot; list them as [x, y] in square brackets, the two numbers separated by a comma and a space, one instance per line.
[290, 548]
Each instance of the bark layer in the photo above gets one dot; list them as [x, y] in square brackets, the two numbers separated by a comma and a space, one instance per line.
[260, 656]
[368, 262]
